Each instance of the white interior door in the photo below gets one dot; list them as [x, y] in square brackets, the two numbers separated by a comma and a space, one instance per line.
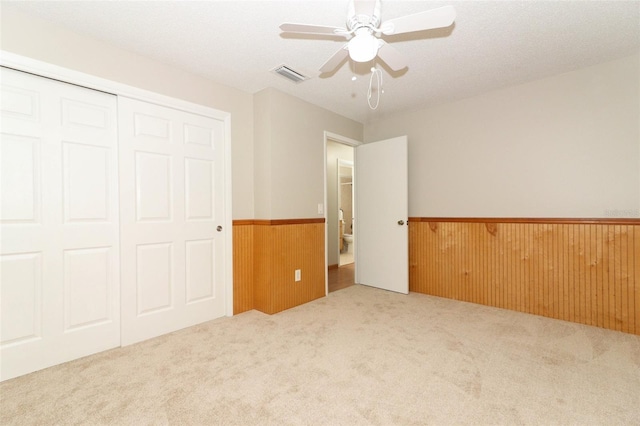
[382, 236]
[172, 203]
[59, 251]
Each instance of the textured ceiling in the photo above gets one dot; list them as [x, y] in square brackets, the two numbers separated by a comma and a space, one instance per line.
[492, 44]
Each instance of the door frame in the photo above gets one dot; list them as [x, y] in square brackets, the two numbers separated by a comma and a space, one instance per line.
[345, 141]
[66, 75]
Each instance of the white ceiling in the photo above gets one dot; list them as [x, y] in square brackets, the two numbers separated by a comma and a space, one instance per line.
[492, 44]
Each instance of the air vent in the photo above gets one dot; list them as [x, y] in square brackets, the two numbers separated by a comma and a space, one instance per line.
[290, 74]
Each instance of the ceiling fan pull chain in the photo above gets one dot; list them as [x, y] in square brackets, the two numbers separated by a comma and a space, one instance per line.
[377, 73]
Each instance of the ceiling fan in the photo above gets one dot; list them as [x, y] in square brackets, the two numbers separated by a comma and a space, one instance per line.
[364, 29]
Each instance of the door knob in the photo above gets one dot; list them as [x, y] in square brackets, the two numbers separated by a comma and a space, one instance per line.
[219, 228]
[401, 222]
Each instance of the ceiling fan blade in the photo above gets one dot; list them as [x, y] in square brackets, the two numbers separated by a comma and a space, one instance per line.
[435, 18]
[312, 29]
[391, 56]
[335, 60]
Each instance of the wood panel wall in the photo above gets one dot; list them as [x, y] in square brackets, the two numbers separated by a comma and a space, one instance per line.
[585, 271]
[243, 266]
[266, 254]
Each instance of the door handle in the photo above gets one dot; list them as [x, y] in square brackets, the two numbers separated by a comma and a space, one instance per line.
[219, 228]
[401, 222]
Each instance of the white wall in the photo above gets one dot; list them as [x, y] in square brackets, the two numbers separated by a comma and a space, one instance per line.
[262, 151]
[37, 39]
[565, 146]
[290, 161]
[335, 151]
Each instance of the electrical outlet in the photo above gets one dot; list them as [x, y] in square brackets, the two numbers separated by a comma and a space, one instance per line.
[320, 208]
[298, 275]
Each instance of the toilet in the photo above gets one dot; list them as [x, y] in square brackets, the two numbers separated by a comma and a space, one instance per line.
[348, 240]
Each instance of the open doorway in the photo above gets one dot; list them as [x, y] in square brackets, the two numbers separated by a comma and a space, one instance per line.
[346, 212]
[340, 211]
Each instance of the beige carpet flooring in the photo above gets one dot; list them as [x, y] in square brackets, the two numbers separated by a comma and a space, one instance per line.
[358, 356]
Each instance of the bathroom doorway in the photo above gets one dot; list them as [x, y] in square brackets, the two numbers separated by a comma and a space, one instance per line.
[340, 210]
[345, 211]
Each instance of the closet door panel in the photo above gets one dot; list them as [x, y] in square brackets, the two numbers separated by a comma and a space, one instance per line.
[172, 201]
[59, 221]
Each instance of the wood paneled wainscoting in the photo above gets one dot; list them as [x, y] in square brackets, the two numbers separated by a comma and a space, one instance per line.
[266, 254]
[580, 270]
[243, 266]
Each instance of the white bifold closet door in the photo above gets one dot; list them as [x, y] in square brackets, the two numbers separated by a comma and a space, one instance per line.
[59, 277]
[172, 213]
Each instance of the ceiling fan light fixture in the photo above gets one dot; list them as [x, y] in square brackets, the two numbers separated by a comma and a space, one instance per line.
[364, 29]
[364, 46]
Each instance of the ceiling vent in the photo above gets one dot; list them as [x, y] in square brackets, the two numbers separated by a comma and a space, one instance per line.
[290, 74]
